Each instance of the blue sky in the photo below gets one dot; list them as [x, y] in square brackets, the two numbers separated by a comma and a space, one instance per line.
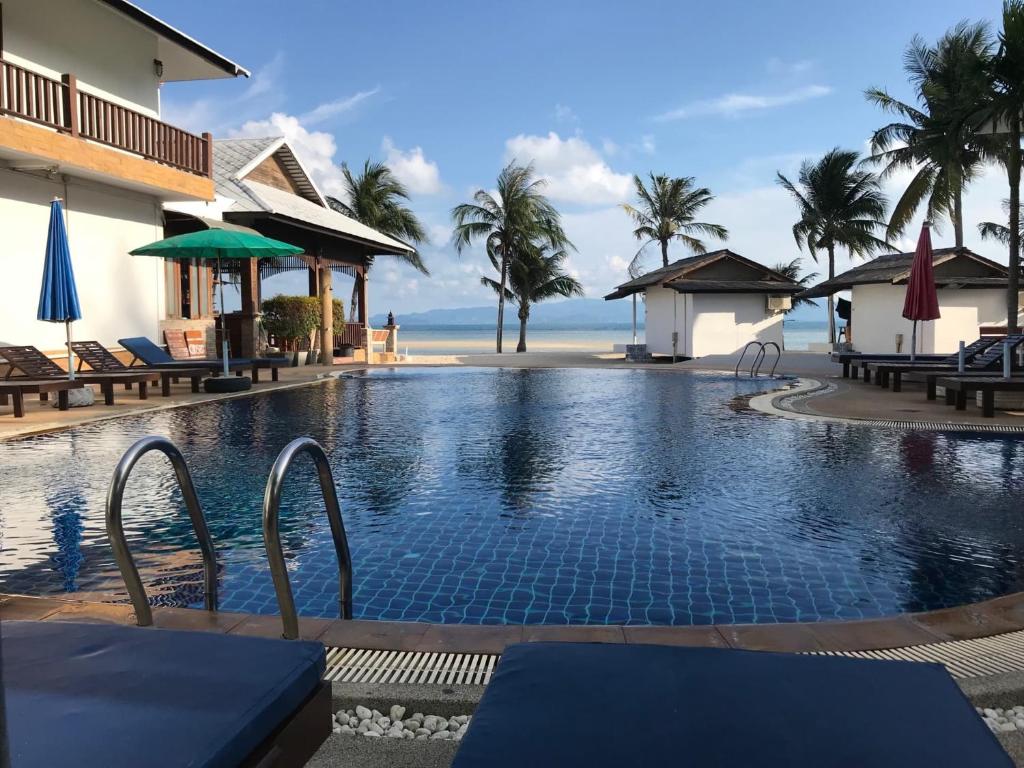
[591, 92]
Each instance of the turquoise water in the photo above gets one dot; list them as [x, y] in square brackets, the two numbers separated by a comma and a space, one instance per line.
[478, 339]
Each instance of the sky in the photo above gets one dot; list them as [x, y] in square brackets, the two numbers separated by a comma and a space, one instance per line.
[590, 92]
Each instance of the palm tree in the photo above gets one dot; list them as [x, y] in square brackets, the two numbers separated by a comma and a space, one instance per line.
[534, 276]
[377, 199]
[665, 211]
[840, 207]
[1004, 106]
[933, 139]
[509, 223]
[991, 230]
[792, 270]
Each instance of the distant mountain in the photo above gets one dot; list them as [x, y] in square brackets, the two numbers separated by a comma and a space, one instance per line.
[587, 313]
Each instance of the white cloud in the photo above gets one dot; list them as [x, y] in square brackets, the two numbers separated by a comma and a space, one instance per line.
[412, 168]
[315, 149]
[735, 104]
[342, 106]
[777, 66]
[574, 170]
[565, 114]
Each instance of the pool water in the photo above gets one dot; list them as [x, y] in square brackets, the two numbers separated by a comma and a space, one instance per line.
[552, 496]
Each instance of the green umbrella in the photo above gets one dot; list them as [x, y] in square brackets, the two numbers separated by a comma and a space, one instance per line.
[209, 244]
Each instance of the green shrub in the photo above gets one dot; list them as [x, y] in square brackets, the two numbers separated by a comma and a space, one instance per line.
[339, 317]
[291, 318]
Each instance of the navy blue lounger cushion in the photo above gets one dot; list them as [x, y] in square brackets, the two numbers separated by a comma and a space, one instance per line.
[571, 704]
[149, 353]
[101, 696]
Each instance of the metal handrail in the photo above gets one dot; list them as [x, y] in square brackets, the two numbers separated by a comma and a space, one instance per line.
[115, 527]
[272, 533]
[744, 353]
[755, 370]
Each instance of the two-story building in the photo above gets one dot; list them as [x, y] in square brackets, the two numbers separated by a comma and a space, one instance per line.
[80, 120]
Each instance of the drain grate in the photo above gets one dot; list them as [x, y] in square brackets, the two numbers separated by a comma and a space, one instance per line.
[979, 657]
[354, 665]
[945, 426]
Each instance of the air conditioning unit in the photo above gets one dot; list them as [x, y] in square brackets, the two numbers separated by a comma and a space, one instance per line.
[780, 303]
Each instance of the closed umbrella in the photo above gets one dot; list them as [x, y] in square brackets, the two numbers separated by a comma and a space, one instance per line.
[210, 244]
[922, 300]
[58, 298]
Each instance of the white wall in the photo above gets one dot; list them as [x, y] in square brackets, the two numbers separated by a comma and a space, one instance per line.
[708, 323]
[878, 317]
[111, 56]
[120, 295]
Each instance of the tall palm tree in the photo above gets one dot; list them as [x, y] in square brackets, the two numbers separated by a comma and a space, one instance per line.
[377, 199]
[536, 275]
[933, 139]
[1004, 106]
[665, 211]
[841, 206]
[509, 223]
[792, 270]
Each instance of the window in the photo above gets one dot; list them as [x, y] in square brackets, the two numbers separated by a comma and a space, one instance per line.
[189, 290]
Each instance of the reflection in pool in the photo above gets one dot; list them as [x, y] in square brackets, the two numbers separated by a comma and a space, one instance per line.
[539, 496]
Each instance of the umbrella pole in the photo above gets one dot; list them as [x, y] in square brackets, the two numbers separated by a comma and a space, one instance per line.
[913, 342]
[223, 317]
[71, 354]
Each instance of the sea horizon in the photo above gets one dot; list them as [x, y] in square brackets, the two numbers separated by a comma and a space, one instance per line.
[467, 339]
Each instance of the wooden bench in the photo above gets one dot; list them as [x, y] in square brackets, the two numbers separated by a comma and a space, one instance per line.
[958, 387]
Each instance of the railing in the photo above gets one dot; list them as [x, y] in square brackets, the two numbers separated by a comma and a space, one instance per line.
[353, 335]
[59, 104]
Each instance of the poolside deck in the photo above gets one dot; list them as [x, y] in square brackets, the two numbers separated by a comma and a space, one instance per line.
[993, 617]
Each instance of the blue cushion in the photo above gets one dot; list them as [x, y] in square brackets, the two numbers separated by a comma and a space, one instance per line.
[97, 695]
[146, 350]
[571, 704]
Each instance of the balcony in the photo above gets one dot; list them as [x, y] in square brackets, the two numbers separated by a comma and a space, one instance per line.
[60, 105]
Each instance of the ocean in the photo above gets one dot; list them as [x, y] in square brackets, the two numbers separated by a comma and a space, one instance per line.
[479, 339]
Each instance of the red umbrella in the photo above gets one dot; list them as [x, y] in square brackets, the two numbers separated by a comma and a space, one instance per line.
[922, 301]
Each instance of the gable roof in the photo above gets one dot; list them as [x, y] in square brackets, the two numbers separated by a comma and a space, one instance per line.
[683, 275]
[178, 42]
[894, 269]
[233, 159]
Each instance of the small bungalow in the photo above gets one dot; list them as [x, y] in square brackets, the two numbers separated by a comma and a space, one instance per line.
[971, 290]
[710, 304]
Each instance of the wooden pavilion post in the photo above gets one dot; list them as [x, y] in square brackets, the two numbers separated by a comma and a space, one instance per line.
[326, 315]
[250, 290]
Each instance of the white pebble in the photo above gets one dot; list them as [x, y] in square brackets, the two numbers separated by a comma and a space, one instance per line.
[441, 736]
[346, 729]
[397, 712]
[376, 715]
[363, 713]
[372, 734]
[418, 716]
[424, 732]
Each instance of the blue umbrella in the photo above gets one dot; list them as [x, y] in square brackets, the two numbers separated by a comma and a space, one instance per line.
[58, 298]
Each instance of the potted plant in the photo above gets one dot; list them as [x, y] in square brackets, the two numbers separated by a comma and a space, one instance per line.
[291, 318]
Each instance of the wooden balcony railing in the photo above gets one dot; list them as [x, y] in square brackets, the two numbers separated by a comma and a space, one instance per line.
[60, 105]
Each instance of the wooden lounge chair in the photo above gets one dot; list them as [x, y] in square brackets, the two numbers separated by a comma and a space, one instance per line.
[101, 360]
[190, 346]
[34, 365]
[959, 387]
[863, 361]
[149, 354]
[16, 389]
[99, 695]
[851, 361]
[990, 359]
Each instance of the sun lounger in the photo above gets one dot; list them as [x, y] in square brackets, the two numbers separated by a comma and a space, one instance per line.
[98, 695]
[191, 345]
[144, 350]
[576, 705]
[855, 360]
[989, 360]
[101, 360]
[851, 361]
[959, 387]
[16, 389]
[29, 362]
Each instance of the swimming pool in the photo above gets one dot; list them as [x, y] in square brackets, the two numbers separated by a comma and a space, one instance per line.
[553, 496]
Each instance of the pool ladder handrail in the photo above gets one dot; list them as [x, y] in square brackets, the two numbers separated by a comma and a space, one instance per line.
[756, 368]
[759, 357]
[272, 533]
[119, 542]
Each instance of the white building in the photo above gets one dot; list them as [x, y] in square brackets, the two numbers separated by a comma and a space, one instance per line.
[80, 119]
[971, 291]
[710, 305]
